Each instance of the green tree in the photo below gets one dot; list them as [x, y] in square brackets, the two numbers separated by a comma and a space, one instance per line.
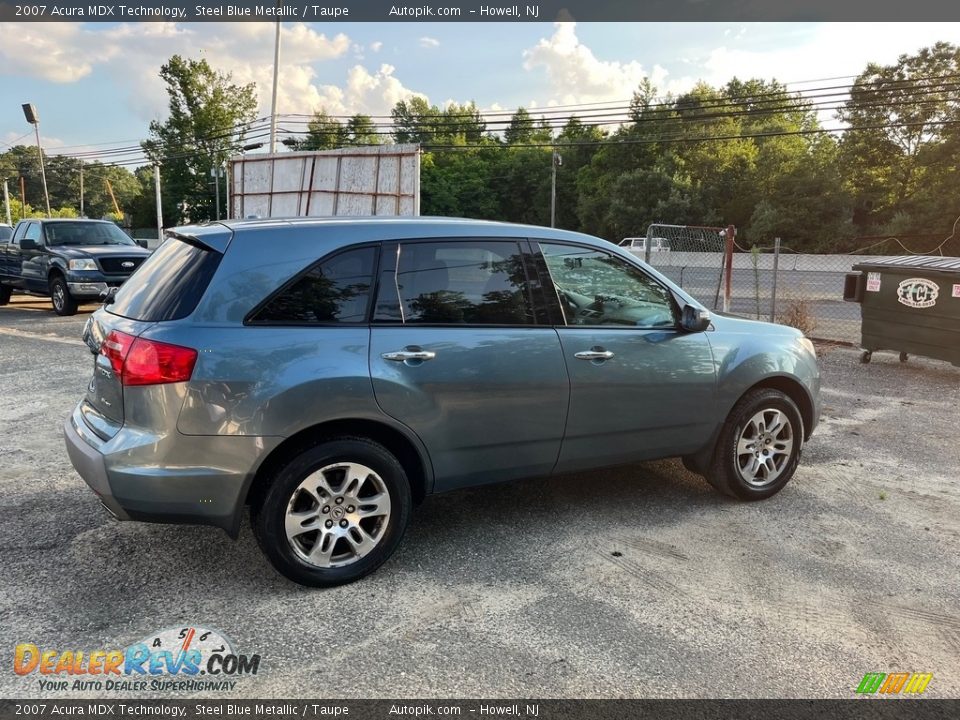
[415, 121]
[323, 133]
[362, 131]
[902, 145]
[208, 117]
[521, 128]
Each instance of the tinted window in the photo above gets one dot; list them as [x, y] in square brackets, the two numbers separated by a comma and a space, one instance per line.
[85, 233]
[460, 282]
[336, 290]
[33, 232]
[5, 233]
[596, 288]
[168, 285]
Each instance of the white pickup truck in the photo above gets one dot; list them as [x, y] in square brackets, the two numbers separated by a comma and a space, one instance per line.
[639, 244]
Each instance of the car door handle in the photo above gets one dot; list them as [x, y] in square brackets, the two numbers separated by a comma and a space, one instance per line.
[596, 353]
[411, 354]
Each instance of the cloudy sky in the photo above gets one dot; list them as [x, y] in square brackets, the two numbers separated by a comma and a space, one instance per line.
[98, 83]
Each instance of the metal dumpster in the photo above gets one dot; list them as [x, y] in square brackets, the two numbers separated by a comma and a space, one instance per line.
[908, 304]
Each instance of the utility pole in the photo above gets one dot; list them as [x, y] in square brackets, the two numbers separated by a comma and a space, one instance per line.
[6, 201]
[156, 187]
[276, 79]
[81, 189]
[215, 171]
[556, 160]
[226, 188]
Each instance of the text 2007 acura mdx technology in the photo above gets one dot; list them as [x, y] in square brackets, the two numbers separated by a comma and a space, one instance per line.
[330, 373]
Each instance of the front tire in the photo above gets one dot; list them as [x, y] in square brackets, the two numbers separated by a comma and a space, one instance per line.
[5, 293]
[63, 302]
[759, 446]
[334, 513]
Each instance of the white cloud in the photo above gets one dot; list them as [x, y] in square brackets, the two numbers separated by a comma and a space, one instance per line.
[429, 42]
[576, 75]
[13, 138]
[131, 54]
[370, 93]
[830, 50]
[376, 46]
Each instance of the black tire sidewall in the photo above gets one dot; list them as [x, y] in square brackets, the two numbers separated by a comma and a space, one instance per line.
[269, 517]
[767, 399]
[5, 294]
[69, 304]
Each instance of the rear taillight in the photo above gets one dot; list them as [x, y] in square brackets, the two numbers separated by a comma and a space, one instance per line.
[139, 361]
[115, 348]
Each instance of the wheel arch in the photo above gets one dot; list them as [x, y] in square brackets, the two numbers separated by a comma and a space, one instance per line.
[794, 390]
[409, 452]
[791, 387]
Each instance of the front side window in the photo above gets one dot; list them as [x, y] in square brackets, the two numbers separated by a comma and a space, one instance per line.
[460, 282]
[597, 288]
[33, 233]
[335, 290]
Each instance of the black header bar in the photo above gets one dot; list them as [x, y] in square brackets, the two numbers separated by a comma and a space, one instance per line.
[131, 709]
[481, 10]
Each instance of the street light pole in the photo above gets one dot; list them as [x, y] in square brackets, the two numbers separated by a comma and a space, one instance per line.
[81, 188]
[30, 113]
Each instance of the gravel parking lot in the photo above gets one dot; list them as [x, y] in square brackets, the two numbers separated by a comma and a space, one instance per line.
[638, 582]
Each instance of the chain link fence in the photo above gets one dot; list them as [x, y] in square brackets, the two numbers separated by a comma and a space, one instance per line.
[775, 284]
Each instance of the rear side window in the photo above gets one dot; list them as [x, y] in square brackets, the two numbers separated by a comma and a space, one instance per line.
[471, 282]
[335, 290]
[168, 285]
[5, 233]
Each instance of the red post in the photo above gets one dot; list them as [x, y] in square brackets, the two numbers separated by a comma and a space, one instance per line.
[728, 256]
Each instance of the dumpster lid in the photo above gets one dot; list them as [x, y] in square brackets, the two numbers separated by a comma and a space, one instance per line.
[934, 263]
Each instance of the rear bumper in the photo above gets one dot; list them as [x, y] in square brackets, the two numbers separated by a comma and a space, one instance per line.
[167, 478]
[88, 462]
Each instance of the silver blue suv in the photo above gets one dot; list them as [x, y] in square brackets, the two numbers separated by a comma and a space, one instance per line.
[331, 373]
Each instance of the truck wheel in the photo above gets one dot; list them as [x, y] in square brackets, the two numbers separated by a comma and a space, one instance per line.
[5, 293]
[334, 513]
[759, 446]
[63, 302]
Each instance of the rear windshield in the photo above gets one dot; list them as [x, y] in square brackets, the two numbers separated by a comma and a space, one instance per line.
[168, 285]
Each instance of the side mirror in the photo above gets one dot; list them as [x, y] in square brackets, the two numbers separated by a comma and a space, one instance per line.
[107, 296]
[28, 244]
[694, 319]
[141, 242]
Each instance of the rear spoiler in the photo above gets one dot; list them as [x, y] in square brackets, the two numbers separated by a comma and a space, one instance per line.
[213, 236]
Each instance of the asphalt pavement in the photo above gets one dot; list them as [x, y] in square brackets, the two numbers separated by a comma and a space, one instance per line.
[628, 582]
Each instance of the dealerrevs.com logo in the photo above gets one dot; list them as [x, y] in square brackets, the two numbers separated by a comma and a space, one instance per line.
[174, 660]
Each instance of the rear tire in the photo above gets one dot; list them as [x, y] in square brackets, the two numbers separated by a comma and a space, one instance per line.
[63, 302]
[334, 513]
[5, 293]
[759, 446]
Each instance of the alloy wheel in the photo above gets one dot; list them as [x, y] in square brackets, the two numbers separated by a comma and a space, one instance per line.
[337, 515]
[764, 447]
